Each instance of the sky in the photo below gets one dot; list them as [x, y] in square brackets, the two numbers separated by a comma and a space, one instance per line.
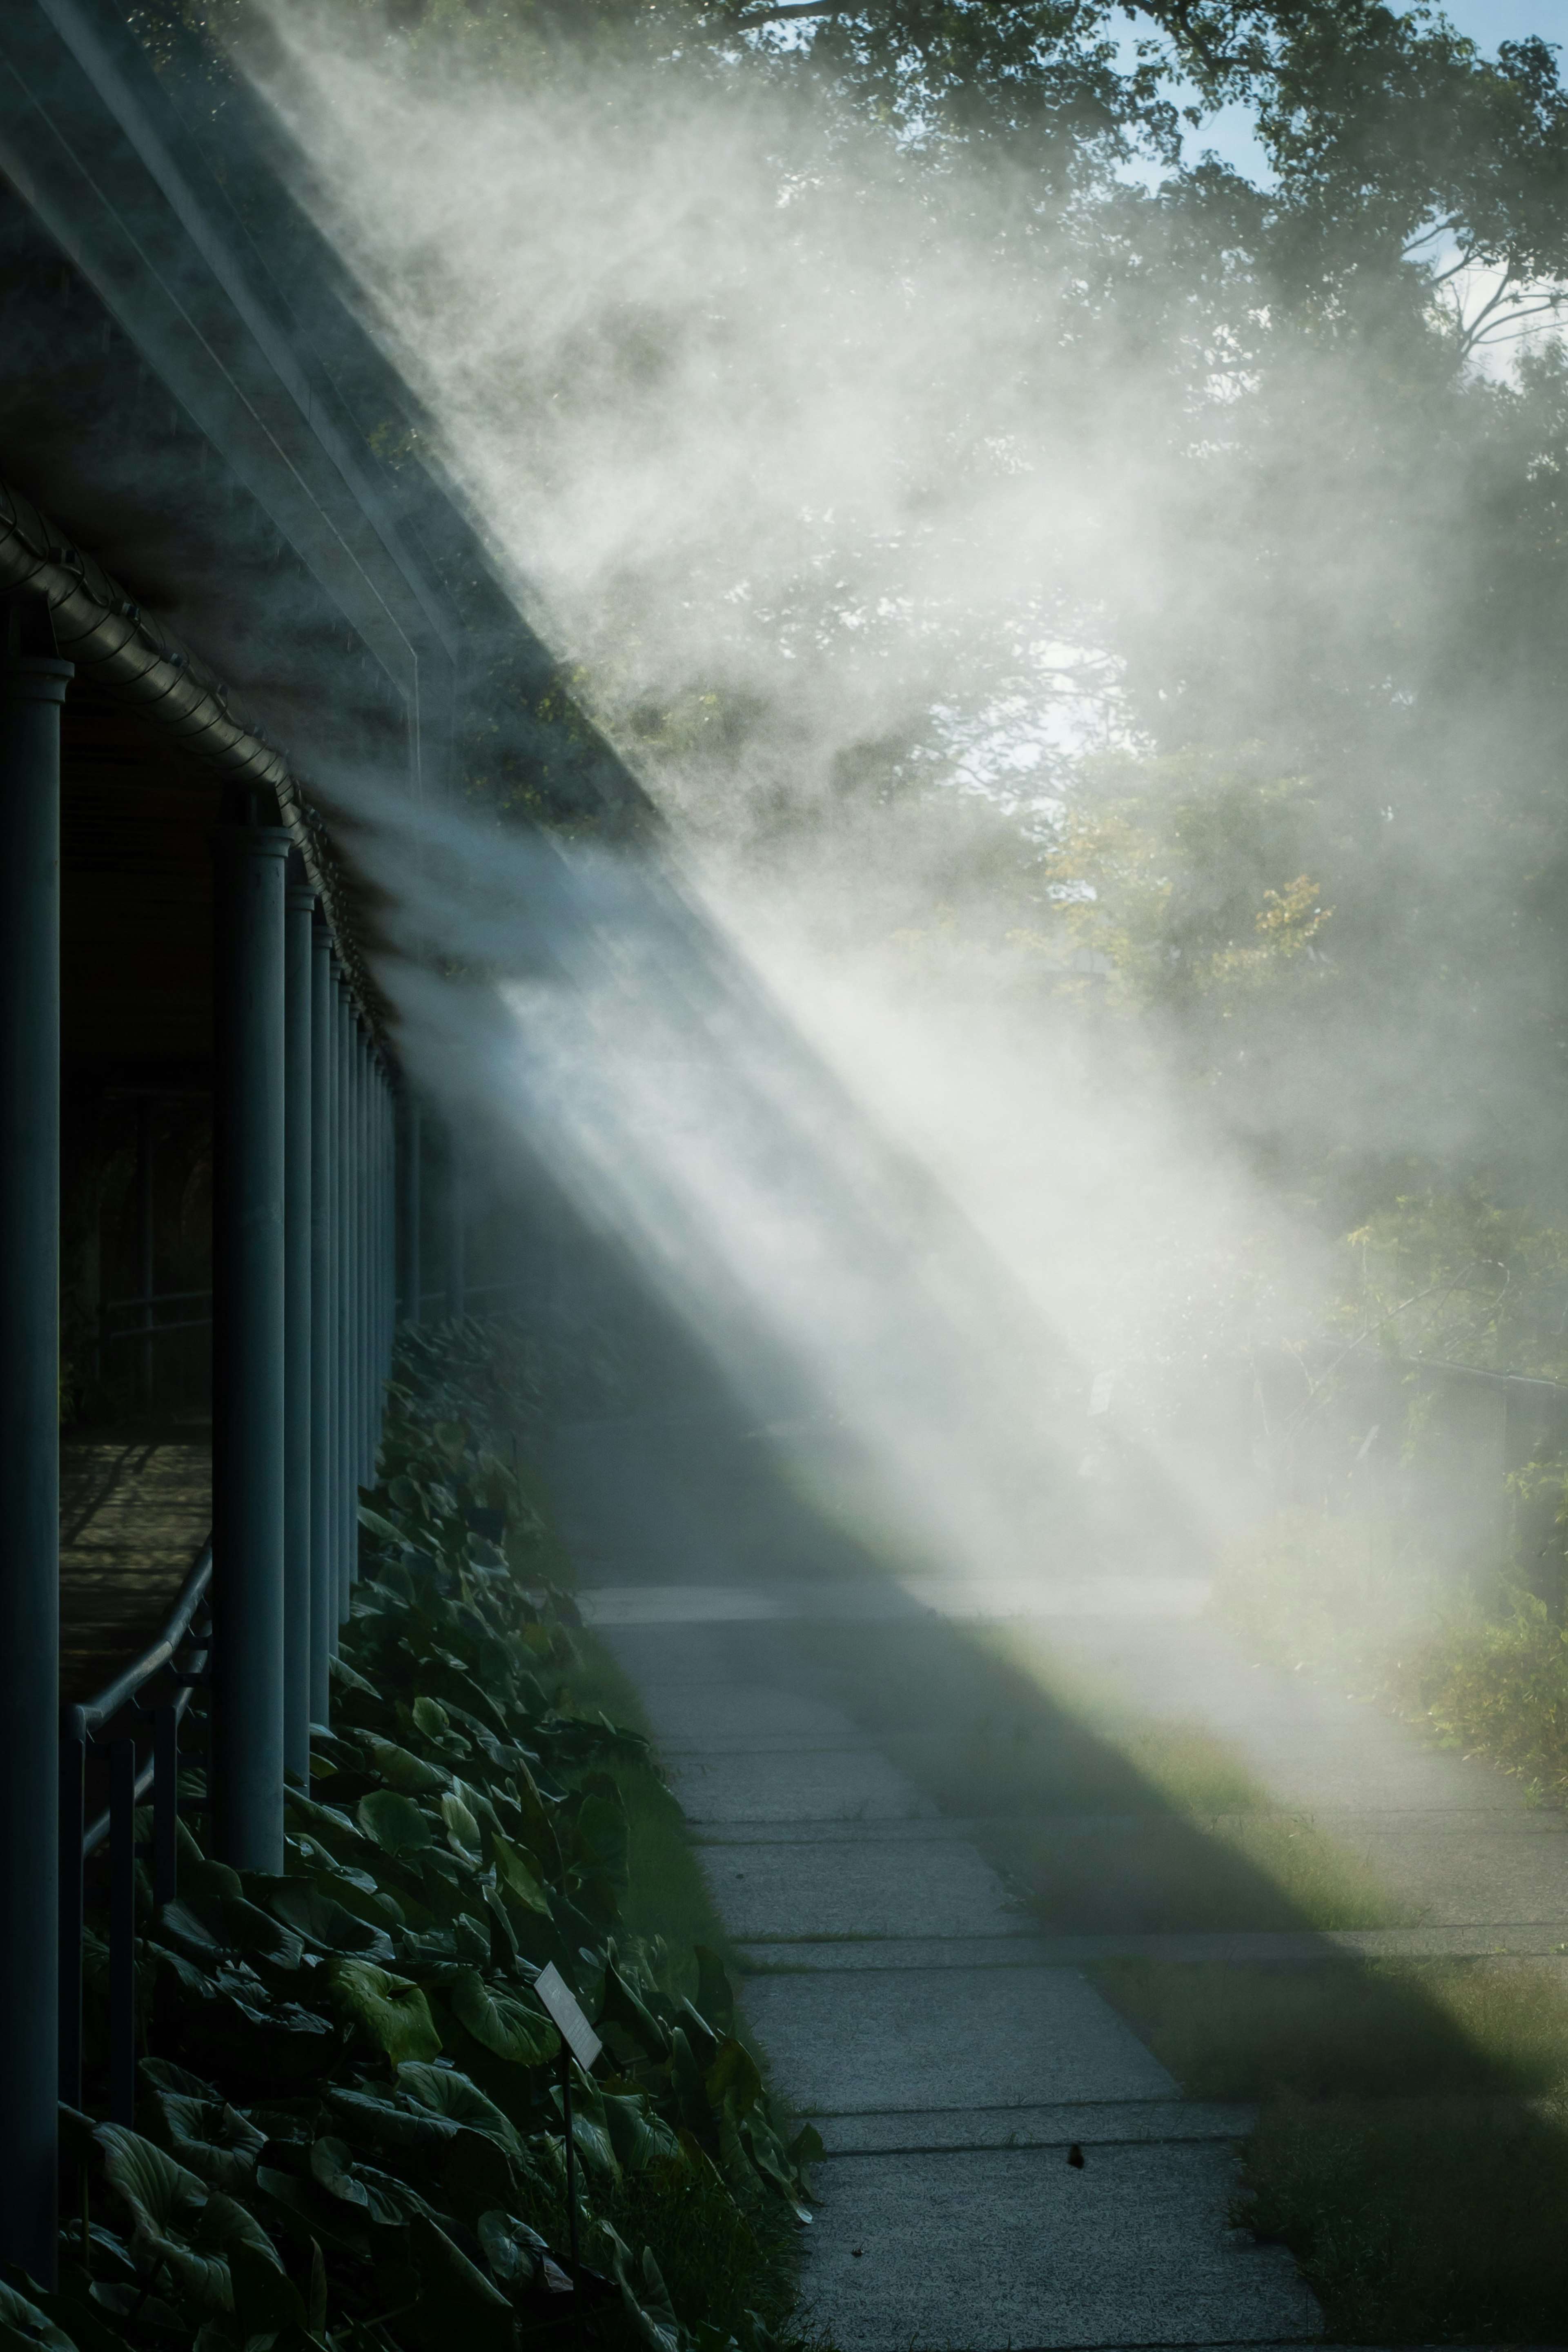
[1491, 21]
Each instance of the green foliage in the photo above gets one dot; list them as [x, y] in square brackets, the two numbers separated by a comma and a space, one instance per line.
[1424, 2221]
[1340, 2029]
[1453, 1272]
[1485, 1673]
[374, 2137]
[1309, 1588]
[1496, 1686]
[1104, 1822]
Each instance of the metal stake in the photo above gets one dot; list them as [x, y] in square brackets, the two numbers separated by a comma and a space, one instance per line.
[571, 2159]
[32, 687]
[122, 1931]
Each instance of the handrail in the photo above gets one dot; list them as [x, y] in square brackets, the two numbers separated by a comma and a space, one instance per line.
[153, 1298]
[119, 1705]
[96, 1712]
[92, 1837]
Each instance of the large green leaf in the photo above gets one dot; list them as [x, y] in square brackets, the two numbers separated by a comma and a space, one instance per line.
[686, 2076]
[343, 1674]
[637, 2134]
[214, 2141]
[205, 1882]
[471, 2305]
[501, 2023]
[733, 2079]
[446, 2093]
[165, 2075]
[623, 2006]
[395, 1823]
[463, 1834]
[82, 2323]
[644, 2299]
[407, 1773]
[431, 1717]
[163, 2195]
[471, 1794]
[513, 1871]
[380, 2196]
[332, 1828]
[512, 2249]
[23, 2327]
[373, 1523]
[389, 2124]
[264, 2299]
[766, 2151]
[199, 1938]
[715, 1998]
[599, 1841]
[390, 2010]
[356, 1890]
[323, 1921]
[590, 2134]
[258, 1936]
[178, 2223]
[538, 1827]
[477, 2173]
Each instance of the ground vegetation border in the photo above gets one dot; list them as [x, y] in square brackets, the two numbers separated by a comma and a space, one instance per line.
[349, 2129]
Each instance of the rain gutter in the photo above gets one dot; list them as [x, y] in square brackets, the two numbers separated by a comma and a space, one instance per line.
[117, 646]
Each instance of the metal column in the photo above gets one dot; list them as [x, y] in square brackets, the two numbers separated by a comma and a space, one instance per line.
[298, 1521]
[323, 1577]
[367, 1227]
[409, 1272]
[147, 1256]
[387, 1131]
[385, 1275]
[32, 689]
[248, 1417]
[348, 1546]
[378, 1228]
[455, 1204]
[340, 1306]
[361, 1262]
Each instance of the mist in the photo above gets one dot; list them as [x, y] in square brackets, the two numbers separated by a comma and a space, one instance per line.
[913, 528]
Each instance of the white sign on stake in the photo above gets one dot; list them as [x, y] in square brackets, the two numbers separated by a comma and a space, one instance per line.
[562, 2002]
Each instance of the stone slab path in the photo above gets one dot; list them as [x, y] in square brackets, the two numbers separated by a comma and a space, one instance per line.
[950, 2060]
[948, 2067]
[1459, 1848]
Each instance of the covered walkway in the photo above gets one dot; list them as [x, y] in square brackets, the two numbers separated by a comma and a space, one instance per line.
[135, 1509]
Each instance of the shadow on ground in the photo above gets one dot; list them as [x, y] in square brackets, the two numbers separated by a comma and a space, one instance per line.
[1410, 2148]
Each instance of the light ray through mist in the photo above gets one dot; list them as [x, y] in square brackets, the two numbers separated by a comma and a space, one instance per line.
[621, 1041]
[756, 423]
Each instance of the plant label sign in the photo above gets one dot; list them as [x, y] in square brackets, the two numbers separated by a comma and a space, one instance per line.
[575, 2029]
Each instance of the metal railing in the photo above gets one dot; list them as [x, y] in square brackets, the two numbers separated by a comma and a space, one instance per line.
[437, 1297]
[125, 1745]
[147, 1304]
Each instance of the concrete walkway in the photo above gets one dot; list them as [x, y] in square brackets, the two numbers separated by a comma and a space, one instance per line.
[135, 1509]
[955, 2066]
[1456, 1846]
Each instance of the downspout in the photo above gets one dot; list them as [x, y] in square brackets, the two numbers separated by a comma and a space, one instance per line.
[116, 645]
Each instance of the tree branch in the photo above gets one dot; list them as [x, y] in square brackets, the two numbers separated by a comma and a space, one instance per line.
[796, 8]
[1509, 330]
[1472, 330]
[1438, 229]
